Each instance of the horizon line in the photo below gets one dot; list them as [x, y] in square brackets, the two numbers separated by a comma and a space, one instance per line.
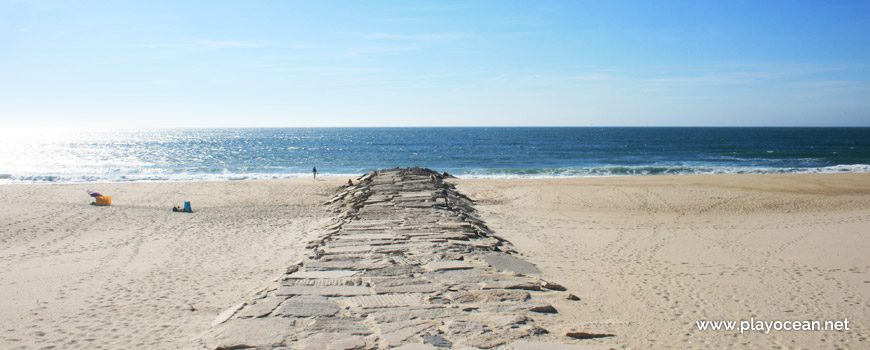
[425, 127]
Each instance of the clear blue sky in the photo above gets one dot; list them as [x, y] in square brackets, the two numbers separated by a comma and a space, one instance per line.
[434, 63]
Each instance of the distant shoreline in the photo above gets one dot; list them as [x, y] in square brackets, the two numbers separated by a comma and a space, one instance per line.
[600, 173]
[460, 177]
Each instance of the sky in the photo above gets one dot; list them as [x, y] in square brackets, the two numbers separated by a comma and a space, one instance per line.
[121, 64]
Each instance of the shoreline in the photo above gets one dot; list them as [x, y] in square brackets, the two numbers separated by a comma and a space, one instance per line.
[646, 254]
[563, 173]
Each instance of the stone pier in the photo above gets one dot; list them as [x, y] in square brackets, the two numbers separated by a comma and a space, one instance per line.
[405, 264]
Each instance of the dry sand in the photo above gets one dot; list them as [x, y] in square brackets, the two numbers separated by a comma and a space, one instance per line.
[649, 256]
[136, 275]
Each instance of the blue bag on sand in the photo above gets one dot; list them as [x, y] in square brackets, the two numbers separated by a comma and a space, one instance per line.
[187, 207]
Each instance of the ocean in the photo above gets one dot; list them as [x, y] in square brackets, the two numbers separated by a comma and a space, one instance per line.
[75, 156]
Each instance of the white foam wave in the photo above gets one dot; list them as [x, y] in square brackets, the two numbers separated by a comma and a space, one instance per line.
[648, 170]
[55, 179]
[606, 171]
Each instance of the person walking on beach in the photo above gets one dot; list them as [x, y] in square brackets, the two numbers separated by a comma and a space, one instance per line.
[314, 171]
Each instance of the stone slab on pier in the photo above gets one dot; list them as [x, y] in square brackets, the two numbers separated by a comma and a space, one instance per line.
[405, 264]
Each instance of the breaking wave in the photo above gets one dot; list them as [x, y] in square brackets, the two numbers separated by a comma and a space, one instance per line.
[651, 170]
[505, 173]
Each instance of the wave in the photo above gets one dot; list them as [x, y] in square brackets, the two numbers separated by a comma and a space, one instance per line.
[182, 177]
[652, 170]
[500, 173]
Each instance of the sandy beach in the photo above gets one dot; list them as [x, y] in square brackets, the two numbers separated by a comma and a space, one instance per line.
[648, 256]
[136, 275]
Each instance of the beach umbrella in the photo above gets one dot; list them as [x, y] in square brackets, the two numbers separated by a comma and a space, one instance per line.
[94, 194]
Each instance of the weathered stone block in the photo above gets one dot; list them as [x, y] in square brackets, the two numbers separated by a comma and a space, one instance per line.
[348, 243]
[527, 306]
[250, 333]
[349, 249]
[332, 341]
[416, 346]
[511, 284]
[322, 282]
[262, 308]
[416, 288]
[327, 291]
[345, 265]
[397, 314]
[323, 274]
[504, 262]
[365, 236]
[436, 340]
[396, 270]
[352, 326]
[449, 265]
[226, 314]
[383, 300]
[395, 338]
[307, 306]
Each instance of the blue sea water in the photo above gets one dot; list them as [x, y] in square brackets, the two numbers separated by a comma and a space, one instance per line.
[63, 156]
